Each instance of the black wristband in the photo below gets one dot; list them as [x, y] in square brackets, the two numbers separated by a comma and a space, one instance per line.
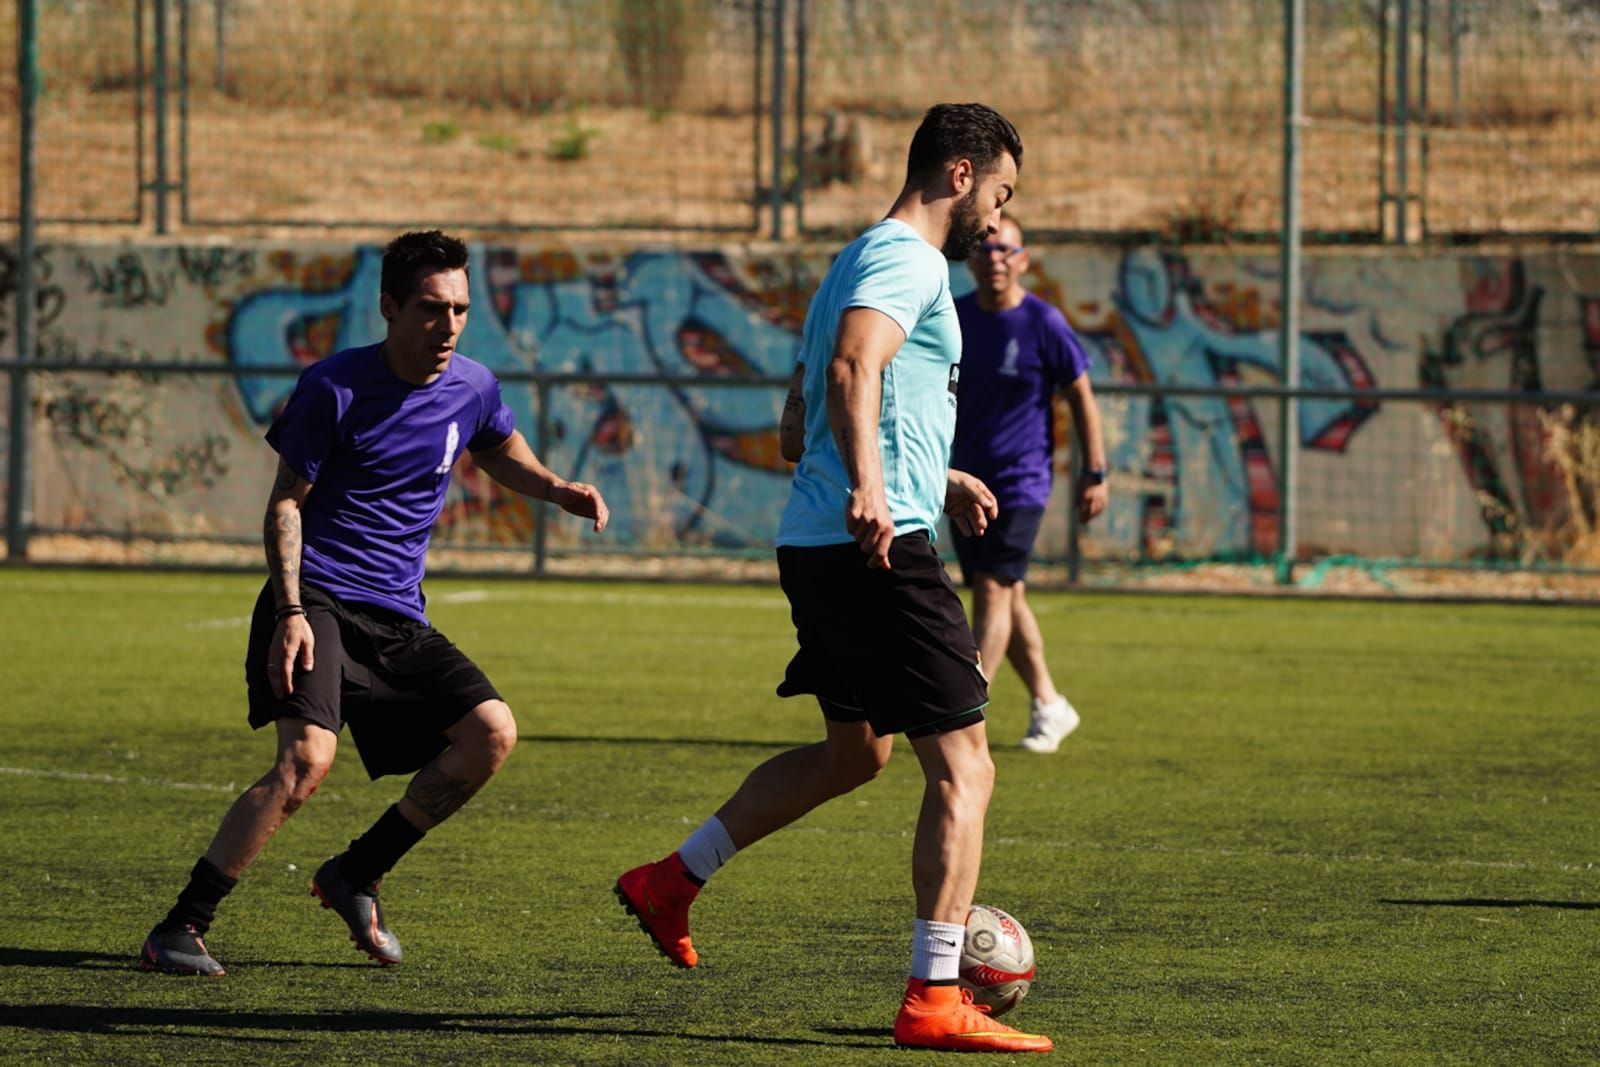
[1093, 476]
[288, 611]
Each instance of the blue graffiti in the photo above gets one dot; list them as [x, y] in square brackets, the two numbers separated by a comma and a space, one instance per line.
[1224, 497]
[659, 453]
[1202, 464]
[680, 462]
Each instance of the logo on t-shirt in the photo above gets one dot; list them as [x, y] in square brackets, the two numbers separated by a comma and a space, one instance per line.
[451, 442]
[1008, 366]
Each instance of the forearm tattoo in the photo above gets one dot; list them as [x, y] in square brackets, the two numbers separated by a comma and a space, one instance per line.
[793, 403]
[281, 537]
[437, 794]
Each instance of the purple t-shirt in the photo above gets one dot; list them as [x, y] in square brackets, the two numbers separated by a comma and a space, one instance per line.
[1011, 364]
[378, 452]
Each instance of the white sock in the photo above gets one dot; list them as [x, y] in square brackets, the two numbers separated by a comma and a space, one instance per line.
[936, 950]
[707, 849]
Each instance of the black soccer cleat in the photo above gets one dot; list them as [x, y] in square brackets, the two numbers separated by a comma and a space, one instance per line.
[358, 906]
[178, 950]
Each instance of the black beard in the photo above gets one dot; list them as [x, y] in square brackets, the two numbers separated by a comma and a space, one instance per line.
[967, 229]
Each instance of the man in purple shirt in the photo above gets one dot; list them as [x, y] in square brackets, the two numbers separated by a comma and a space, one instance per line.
[1016, 351]
[339, 634]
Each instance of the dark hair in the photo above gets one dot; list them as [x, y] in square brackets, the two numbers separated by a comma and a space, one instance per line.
[411, 253]
[960, 131]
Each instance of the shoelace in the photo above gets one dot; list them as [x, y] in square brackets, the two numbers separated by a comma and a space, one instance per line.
[966, 998]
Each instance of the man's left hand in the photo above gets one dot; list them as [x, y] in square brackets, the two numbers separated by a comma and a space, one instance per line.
[582, 500]
[1091, 500]
[969, 503]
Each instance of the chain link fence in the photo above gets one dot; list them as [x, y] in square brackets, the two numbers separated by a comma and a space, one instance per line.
[1448, 394]
[1453, 119]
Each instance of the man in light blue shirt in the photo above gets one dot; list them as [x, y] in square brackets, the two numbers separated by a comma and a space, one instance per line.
[884, 642]
[900, 277]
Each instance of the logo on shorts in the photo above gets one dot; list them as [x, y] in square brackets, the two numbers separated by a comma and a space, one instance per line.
[451, 442]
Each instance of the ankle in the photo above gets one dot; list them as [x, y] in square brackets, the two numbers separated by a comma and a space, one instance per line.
[934, 994]
[680, 881]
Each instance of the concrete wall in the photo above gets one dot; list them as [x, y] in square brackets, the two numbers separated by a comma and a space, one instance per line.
[182, 453]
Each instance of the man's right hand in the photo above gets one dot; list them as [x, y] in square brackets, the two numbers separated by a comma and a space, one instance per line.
[292, 643]
[867, 518]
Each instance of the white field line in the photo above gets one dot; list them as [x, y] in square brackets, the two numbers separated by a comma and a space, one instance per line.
[1229, 853]
[230, 789]
[1054, 845]
[237, 622]
[555, 596]
[114, 779]
[552, 595]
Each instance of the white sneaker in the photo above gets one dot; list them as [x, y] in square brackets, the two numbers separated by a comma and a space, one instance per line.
[1049, 725]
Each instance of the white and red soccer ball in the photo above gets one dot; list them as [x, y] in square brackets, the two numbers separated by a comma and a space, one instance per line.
[996, 960]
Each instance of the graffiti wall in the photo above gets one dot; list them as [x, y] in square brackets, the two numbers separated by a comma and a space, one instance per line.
[693, 459]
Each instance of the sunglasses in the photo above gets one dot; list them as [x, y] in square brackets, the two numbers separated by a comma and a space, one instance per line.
[990, 247]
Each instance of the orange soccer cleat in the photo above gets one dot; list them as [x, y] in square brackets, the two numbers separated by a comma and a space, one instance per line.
[944, 1017]
[658, 895]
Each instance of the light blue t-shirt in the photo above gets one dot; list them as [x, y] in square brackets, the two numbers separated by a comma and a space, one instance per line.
[891, 269]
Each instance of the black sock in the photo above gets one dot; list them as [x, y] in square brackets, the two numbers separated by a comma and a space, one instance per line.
[197, 904]
[373, 853]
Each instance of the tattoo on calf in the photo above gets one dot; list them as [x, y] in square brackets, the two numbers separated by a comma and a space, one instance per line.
[437, 794]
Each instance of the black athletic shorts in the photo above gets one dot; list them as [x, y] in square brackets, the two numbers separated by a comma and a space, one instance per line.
[890, 647]
[399, 683]
[1005, 547]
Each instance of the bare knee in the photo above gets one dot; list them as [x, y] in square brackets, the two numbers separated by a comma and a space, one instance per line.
[971, 781]
[490, 731]
[963, 777]
[297, 775]
[856, 766]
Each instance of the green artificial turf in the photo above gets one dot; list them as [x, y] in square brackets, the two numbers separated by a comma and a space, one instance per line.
[1287, 831]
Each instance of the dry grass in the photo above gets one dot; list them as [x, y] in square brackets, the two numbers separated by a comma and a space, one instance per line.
[1137, 115]
[1572, 445]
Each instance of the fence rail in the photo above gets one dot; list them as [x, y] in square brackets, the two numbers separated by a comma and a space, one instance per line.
[1540, 517]
[1152, 127]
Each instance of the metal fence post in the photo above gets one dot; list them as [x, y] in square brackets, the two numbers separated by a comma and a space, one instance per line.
[799, 116]
[161, 180]
[17, 511]
[541, 390]
[758, 86]
[1290, 285]
[1402, 116]
[1381, 123]
[1074, 549]
[777, 120]
[219, 71]
[1458, 29]
[1422, 123]
[183, 110]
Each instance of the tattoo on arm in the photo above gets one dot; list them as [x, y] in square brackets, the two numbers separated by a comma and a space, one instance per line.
[282, 540]
[437, 794]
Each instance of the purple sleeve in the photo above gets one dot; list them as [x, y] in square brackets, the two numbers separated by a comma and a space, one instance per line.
[498, 420]
[307, 431]
[1067, 358]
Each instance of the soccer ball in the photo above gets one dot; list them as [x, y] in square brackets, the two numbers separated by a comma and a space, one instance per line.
[996, 960]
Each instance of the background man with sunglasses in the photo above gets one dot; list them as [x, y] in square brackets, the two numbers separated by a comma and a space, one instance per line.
[1016, 349]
